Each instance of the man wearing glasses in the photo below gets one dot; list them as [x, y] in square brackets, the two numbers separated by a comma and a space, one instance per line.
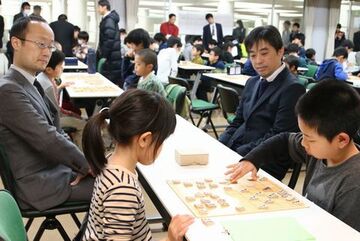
[47, 167]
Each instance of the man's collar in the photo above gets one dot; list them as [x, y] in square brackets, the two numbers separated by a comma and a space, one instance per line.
[27, 75]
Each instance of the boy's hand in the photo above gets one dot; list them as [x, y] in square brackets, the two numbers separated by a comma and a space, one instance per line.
[178, 226]
[239, 169]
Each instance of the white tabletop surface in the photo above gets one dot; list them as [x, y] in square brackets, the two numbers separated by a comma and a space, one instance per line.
[80, 65]
[315, 220]
[90, 85]
[241, 61]
[192, 66]
[232, 79]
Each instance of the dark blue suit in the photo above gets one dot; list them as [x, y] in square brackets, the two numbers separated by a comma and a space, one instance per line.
[207, 35]
[258, 119]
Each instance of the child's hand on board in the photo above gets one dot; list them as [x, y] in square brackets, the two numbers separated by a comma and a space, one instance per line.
[178, 226]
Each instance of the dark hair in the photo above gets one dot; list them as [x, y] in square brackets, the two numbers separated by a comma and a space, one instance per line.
[268, 33]
[331, 107]
[340, 51]
[338, 25]
[159, 37]
[212, 42]
[171, 15]
[196, 38]
[287, 22]
[292, 48]
[133, 113]
[227, 45]
[347, 43]
[25, 4]
[292, 60]
[106, 3]
[217, 51]
[83, 35]
[122, 30]
[301, 37]
[172, 41]
[208, 15]
[37, 7]
[296, 24]
[62, 17]
[139, 36]
[309, 53]
[76, 28]
[240, 23]
[148, 56]
[19, 28]
[56, 58]
[199, 47]
[152, 41]
[188, 38]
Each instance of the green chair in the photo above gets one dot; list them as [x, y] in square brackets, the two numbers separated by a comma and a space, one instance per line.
[310, 85]
[311, 71]
[11, 224]
[176, 95]
[100, 65]
[50, 222]
[229, 101]
[303, 81]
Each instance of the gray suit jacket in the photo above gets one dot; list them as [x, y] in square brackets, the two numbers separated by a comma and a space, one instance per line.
[41, 159]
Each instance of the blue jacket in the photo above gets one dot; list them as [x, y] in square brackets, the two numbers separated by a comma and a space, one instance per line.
[130, 78]
[331, 69]
[248, 69]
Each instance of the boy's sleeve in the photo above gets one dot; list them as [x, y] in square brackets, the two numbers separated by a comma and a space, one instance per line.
[340, 74]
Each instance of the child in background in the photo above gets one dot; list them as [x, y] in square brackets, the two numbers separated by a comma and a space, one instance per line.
[227, 53]
[328, 117]
[333, 68]
[310, 56]
[292, 63]
[145, 63]
[139, 122]
[82, 47]
[215, 59]
[212, 44]
[196, 52]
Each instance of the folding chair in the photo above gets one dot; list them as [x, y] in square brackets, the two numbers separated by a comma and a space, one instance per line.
[229, 101]
[311, 71]
[50, 221]
[295, 175]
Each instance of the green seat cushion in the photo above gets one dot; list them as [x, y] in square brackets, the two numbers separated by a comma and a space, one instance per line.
[201, 105]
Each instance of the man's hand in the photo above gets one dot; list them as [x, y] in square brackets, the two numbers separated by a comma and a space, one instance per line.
[239, 169]
[80, 176]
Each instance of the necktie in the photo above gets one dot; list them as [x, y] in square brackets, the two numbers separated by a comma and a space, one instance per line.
[39, 88]
[262, 87]
[212, 30]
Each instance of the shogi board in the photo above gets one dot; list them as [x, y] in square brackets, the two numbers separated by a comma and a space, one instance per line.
[212, 197]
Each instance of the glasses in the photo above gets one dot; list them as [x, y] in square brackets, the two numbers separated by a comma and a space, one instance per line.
[41, 45]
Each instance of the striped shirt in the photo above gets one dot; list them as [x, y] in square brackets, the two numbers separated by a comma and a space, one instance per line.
[117, 210]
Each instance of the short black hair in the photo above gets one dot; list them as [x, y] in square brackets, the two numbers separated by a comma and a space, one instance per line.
[62, 17]
[83, 35]
[122, 30]
[301, 37]
[240, 23]
[296, 24]
[172, 41]
[292, 48]
[340, 51]
[76, 28]
[188, 38]
[160, 37]
[199, 47]
[37, 7]
[25, 4]
[171, 15]
[338, 25]
[331, 107]
[208, 15]
[196, 38]
[56, 58]
[148, 56]
[347, 43]
[292, 61]
[287, 22]
[217, 51]
[106, 3]
[212, 42]
[227, 45]
[19, 28]
[139, 36]
[309, 53]
[268, 33]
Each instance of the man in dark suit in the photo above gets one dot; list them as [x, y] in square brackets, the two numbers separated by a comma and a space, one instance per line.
[212, 31]
[356, 41]
[47, 167]
[25, 11]
[267, 103]
[64, 34]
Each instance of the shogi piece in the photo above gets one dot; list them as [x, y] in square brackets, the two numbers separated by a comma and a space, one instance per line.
[186, 157]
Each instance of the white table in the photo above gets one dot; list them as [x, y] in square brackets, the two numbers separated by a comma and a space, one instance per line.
[187, 65]
[73, 68]
[241, 61]
[315, 220]
[90, 86]
[237, 80]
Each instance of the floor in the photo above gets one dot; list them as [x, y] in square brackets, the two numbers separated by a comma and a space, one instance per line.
[158, 234]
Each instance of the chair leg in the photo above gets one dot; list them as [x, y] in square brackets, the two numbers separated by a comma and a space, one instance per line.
[76, 220]
[51, 223]
[191, 118]
[62, 231]
[28, 224]
[39, 232]
[201, 117]
[213, 127]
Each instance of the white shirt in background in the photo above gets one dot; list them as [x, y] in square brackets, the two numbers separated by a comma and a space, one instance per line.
[167, 64]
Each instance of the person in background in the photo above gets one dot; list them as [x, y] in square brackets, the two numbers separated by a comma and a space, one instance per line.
[197, 51]
[351, 60]
[294, 30]
[76, 34]
[145, 64]
[333, 68]
[123, 46]
[197, 40]
[153, 45]
[81, 49]
[188, 48]
[160, 40]
[239, 32]
[292, 63]
[24, 12]
[227, 56]
[286, 33]
[212, 44]
[167, 60]
[64, 34]
[248, 69]
[2, 25]
[109, 42]
[310, 56]
[212, 31]
[169, 28]
[299, 39]
[136, 40]
[293, 49]
[36, 11]
[339, 36]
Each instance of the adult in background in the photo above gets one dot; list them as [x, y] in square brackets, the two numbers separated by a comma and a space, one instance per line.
[339, 36]
[25, 11]
[356, 41]
[109, 42]
[286, 33]
[1, 30]
[294, 30]
[212, 31]
[36, 11]
[64, 34]
[169, 28]
[239, 32]
[268, 100]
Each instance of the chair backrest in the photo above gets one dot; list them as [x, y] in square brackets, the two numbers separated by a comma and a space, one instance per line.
[295, 175]
[303, 81]
[311, 70]
[179, 81]
[310, 85]
[11, 224]
[229, 99]
[5, 171]
[176, 94]
[100, 65]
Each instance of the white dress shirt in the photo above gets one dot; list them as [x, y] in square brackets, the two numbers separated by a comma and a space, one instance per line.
[167, 64]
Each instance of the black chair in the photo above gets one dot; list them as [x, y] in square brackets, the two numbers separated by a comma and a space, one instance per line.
[295, 174]
[229, 101]
[50, 222]
[180, 81]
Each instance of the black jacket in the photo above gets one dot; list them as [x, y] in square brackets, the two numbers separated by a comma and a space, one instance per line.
[64, 34]
[109, 47]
